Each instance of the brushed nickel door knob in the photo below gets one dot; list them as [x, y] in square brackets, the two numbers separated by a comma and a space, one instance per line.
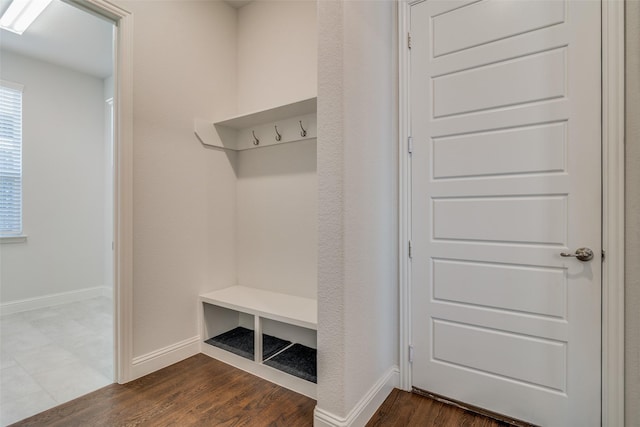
[583, 254]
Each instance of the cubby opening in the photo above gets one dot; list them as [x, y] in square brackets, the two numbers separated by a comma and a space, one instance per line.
[298, 358]
[285, 325]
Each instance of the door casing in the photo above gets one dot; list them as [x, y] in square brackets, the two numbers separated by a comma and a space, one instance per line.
[612, 206]
[123, 181]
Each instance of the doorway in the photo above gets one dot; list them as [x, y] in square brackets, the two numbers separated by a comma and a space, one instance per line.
[57, 279]
[505, 163]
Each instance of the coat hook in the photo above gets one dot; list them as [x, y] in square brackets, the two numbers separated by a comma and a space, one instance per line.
[304, 131]
[256, 141]
[278, 136]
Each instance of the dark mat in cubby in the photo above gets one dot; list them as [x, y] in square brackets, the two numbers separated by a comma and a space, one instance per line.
[240, 341]
[297, 360]
[272, 345]
[237, 341]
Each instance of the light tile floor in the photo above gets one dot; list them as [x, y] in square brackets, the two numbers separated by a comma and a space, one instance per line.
[53, 355]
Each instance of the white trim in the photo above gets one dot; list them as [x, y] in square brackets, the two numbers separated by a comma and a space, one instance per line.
[163, 357]
[613, 52]
[123, 182]
[123, 189]
[12, 85]
[21, 238]
[613, 210]
[404, 196]
[44, 301]
[365, 408]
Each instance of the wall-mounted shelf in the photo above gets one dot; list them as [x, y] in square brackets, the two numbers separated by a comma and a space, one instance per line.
[294, 122]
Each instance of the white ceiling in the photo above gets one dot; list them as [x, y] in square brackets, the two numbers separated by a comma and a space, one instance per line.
[67, 36]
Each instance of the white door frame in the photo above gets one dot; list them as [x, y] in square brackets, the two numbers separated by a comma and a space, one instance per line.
[612, 206]
[123, 182]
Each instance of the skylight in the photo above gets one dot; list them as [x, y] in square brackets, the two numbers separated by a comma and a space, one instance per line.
[21, 13]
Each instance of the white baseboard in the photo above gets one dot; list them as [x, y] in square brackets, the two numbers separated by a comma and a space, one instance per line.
[365, 408]
[161, 358]
[44, 301]
[107, 292]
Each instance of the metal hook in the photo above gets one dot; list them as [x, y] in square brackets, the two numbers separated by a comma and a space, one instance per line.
[256, 141]
[278, 136]
[304, 132]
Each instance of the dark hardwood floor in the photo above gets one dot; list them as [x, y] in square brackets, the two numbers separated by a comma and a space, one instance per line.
[408, 409]
[198, 391]
[201, 391]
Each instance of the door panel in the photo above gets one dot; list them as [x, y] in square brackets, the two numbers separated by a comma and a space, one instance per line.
[505, 119]
[531, 149]
[513, 82]
[516, 350]
[534, 290]
[490, 219]
[488, 21]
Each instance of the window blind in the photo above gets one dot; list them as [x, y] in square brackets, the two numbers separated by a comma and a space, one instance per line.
[10, 159]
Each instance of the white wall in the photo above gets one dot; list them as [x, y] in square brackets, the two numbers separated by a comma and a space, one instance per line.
[357, 180]
[63, 182]
[632, 277]
[277, 185]
[277, 218]
[277, 53]
[183, 193]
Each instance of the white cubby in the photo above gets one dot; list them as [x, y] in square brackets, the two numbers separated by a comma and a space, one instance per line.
[284, 316]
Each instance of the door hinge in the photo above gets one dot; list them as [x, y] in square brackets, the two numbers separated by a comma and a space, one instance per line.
[603, 254]
[410, 144]
[409, 40]
[410, 354]
[410, 254]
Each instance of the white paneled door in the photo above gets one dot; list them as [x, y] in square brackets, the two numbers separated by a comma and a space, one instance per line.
[506, 177]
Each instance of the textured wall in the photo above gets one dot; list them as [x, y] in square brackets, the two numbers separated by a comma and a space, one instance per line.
[331, 308]
[357, 179]
[632, 279]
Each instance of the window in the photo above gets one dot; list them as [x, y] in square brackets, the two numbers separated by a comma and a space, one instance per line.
[10, 159]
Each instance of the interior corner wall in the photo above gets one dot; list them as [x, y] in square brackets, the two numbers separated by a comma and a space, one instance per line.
[63, 182]
[277, 53]
[277, 185]
[184, 202]
[632, 214]
[357, 178]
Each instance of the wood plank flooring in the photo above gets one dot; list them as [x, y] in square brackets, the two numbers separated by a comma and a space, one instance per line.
[198, 391]
[201, 391]
[402, 409]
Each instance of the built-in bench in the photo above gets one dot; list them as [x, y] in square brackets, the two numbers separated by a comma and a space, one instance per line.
[269, 334]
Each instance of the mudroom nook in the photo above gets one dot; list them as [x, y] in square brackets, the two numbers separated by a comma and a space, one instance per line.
[265, 322]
